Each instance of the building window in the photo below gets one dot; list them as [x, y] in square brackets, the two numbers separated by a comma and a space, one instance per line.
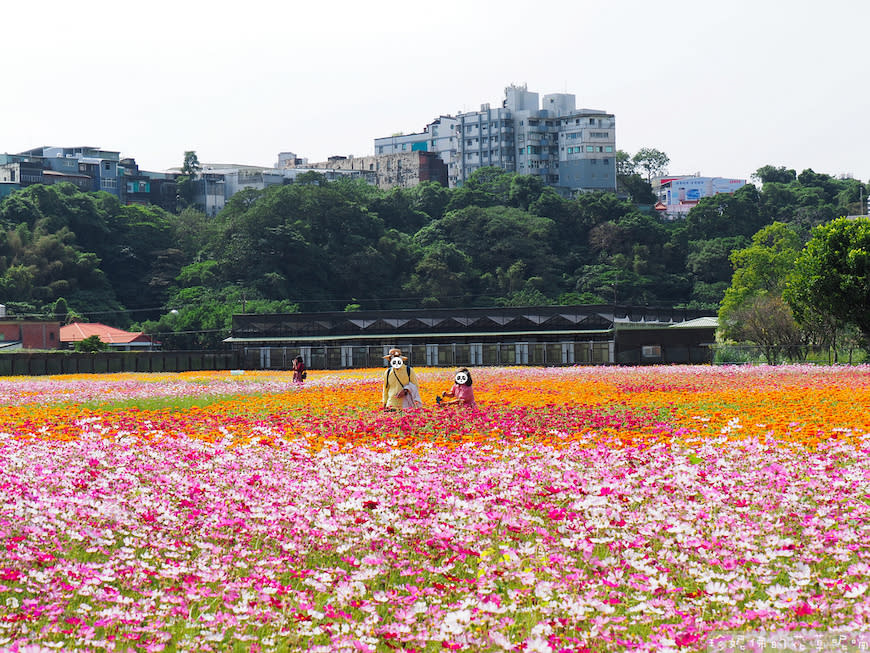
[594, 161]
[608, 148]
[605, 162]
[592, 121]
[521, 350]
[651, 351]
[590, 148]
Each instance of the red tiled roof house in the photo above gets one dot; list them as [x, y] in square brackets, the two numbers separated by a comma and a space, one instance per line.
[117, 339]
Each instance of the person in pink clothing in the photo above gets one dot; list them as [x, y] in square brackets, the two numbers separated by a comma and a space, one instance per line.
[461, 394]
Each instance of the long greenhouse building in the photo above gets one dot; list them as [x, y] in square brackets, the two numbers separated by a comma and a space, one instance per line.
[539, 335]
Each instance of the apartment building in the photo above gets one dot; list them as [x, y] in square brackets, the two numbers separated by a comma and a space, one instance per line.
[570, 149]
[439, 137]
[90, 169]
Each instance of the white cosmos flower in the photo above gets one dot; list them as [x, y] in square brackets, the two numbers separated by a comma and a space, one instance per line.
[539, 645]
[716, 587]
[800, 574]
[787, 599]
[759, 605]
[500, 640]
[454, 623]
[855, 591]
[775, 590]
[544, 590]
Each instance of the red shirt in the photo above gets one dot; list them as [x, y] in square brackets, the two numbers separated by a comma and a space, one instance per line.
[465, 394]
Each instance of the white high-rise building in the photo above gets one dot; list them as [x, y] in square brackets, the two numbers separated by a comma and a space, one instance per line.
[570, 149]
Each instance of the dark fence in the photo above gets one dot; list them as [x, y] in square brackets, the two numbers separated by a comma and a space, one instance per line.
[430, 355]
[665, 355]
[41, 363]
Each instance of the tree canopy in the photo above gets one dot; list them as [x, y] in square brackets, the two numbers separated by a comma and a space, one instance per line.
[832, 273]
[502, 238]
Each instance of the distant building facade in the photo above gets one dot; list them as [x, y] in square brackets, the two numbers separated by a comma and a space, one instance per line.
[404, 169]
[7, 188]
[216, 183]
[677, 195]
[143, 187]
[90, 169]
[439, 136]
[20, 170]
[101, 166]
[570, 149]
[27, 334]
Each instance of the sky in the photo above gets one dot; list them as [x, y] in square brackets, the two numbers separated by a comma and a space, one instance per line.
[722, 88]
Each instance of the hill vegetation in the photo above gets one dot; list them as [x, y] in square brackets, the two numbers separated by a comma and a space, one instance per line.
[501, 239]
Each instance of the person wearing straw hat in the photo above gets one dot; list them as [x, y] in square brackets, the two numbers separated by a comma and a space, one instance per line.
[401, 388]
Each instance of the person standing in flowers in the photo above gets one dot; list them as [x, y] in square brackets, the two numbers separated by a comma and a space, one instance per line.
[401, 388]
[461, 394]
[299, 372]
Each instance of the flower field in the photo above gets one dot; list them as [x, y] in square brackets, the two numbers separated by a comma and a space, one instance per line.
[579, 509]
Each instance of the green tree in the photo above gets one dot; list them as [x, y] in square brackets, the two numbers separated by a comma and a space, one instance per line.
[525, 190]
[431, 198]
[761, 269]
[767, 321]
[185, 184]
[91, 344]
[486, 186]
[771, 173]
[495, 238]
[832, 274]
[637, 188]
[625, 166]
[726, 214]
[140, 259]
[709, 261]
[191, 165]
[60, 310]
[442, 277]
[652, 161]
[398, 210]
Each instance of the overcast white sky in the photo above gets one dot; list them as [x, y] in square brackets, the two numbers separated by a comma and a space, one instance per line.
[721, 87]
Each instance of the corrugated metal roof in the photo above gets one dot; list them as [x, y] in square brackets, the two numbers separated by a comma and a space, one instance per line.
[698, 323]
[421, 336]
